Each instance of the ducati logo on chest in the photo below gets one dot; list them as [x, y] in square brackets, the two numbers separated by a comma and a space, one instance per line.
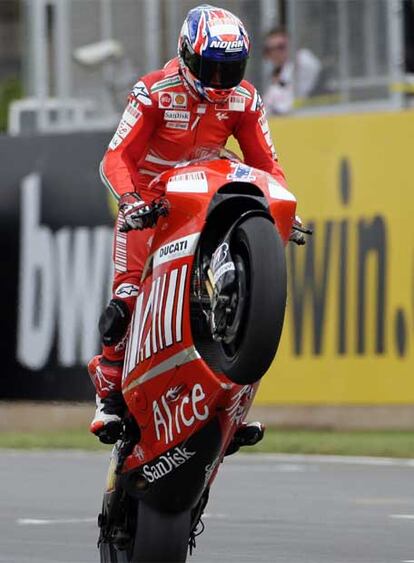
[172, 100]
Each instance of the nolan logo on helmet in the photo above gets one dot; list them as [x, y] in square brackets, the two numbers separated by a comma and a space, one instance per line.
[228, 46]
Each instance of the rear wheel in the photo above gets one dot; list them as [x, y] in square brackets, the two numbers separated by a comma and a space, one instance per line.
[259, 301]
[161, 537]
[111, 554]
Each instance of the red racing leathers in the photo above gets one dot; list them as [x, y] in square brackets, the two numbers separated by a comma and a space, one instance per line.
[163, 123]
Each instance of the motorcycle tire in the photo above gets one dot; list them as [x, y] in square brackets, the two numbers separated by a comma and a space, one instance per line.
[259, 257]
[111, 554]
[161, 537]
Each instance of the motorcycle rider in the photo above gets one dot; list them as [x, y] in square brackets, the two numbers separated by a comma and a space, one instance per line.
[198, 99]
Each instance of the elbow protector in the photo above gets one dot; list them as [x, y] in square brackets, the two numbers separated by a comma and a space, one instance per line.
[114, 322]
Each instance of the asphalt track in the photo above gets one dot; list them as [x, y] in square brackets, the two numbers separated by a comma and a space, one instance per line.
[263, 509]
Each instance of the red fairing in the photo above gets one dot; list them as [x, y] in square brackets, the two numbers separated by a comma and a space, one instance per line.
[168, 387]
[163, 123]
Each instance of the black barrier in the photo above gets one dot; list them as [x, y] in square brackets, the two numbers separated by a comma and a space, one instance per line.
[55, 232]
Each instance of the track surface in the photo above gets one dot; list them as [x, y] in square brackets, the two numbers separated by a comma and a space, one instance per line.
[263, 508]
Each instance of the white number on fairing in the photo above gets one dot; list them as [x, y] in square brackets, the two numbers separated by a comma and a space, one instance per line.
[172, 417]
[154, 325]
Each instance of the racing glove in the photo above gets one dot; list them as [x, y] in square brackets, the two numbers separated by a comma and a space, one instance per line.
[297, 235]
[136, 213]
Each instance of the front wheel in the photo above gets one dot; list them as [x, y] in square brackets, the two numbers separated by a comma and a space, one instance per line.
[160, 536]
[259, 301]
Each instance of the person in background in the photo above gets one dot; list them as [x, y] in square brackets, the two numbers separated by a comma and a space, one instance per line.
[290, 79]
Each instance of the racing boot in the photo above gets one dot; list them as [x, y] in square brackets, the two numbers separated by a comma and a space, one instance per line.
[106, 375]
[248, 434]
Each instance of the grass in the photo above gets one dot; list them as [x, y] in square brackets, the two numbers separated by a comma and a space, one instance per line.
[367, 443]
[79, 439]
[359, 443]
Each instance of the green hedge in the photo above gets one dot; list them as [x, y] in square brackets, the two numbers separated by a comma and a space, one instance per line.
[10, 89]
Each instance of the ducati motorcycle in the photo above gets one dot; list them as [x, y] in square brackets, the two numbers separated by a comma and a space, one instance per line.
[205, 329]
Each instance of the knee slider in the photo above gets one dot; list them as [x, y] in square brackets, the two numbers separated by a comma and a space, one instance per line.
[114, 322]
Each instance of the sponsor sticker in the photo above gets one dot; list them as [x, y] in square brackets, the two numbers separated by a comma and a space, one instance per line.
[220, 256]
[165, 100]
[229, 267]
[128, 120]
[132, 114]
[237, 103]
[264, 126]
[177, 125]
[234, 103]
[172, 100]
[241, 173]
[175, 249]
[115, 141]
[179, 100]
[228, 46]
[140, 92]
[191, 182]
[257, 104]
[127, 290]
[201, 108]
[277, 191]
[209, 469]
[166, 463]
[124, 128]
[172, 417]
[176, 115]
[138, 452]
[239, 404]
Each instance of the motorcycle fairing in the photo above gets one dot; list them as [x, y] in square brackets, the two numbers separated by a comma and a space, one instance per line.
[177, 478]
[168, 387]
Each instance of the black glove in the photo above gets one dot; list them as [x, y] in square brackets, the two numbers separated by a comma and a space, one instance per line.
[297, 234]
[136, 213]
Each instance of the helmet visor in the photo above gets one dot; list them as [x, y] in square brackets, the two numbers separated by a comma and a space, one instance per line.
[215, 74]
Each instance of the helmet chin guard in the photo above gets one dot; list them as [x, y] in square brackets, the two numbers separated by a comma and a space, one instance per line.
[213, 49]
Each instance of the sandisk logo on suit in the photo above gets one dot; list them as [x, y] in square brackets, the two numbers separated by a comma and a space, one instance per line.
[171, 115]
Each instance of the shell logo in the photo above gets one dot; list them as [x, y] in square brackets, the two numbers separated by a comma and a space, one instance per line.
[180, 100]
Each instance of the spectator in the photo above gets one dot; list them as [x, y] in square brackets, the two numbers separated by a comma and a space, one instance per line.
[290, 79]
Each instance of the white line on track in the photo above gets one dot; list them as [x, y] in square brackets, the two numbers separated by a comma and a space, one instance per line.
[241, 458]
[52, 521]
[47, 521]
[215, 516]
[346, 460]
[402, 516]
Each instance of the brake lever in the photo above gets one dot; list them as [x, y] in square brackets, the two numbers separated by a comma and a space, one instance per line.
[301, 229]
[162, 207]
[298, 233]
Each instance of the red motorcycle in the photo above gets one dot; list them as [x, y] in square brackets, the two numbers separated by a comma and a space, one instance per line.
[205, 329]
